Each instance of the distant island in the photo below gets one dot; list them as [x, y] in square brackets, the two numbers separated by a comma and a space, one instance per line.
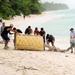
[26, 7]
[54, 6]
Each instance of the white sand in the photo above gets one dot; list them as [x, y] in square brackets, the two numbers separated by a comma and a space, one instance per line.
[12, 62]
[40, 63]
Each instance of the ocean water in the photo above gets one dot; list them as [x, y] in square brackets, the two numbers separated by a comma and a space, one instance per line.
[60, 27]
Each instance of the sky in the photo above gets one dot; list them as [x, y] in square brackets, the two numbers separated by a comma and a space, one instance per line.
[70, 3]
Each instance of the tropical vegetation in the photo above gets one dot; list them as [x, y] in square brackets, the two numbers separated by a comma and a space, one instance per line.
[26, 7]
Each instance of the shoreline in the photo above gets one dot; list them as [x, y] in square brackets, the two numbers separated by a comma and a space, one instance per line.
[31, 18]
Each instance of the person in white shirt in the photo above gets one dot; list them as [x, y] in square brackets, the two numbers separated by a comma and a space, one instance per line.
[72, 40]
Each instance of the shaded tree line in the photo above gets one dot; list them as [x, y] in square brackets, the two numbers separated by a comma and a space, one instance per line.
[54, 6]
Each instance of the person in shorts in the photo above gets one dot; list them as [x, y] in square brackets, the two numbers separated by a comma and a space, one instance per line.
[72, 40]
[5, 33]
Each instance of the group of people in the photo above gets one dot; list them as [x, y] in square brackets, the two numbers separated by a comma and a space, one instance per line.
[5, 30]
[46, 38]
[51, 39]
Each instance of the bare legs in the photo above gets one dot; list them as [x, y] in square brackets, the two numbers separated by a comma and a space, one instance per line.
[6, 44]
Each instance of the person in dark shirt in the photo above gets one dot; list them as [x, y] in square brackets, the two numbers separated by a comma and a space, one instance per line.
[5, 33]
[50, 38]
[28, 30]
[16, 30]
[42, 33]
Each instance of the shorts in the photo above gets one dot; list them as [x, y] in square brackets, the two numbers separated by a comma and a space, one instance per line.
[72, 44]
[5, 37]
[50, 41]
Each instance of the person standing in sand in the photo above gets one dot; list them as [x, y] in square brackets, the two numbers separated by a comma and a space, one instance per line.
[42, 33]
[4, 35]
[72, 40]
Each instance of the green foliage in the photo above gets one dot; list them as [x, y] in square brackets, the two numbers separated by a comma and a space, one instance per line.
[0, 15]
[7, 11]
[34, 9]
[26, 7]
[15, 7]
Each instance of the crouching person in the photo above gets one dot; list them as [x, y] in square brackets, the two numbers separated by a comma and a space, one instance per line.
[51, 39]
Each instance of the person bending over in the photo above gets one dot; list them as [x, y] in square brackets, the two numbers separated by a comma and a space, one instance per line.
[15, 32]
[50, 38]
[4, 35]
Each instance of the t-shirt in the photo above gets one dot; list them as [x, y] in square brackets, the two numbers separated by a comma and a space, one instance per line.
[27, 31]
[36, 32]
[50, 38]
[72, 34]
[42, 33]
[5, 30]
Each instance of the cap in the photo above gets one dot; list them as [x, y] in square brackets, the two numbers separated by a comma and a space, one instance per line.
[11, 25]
[71, 29]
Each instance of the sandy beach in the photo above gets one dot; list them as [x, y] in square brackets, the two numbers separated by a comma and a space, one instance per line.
[18, 62]
[14, 62]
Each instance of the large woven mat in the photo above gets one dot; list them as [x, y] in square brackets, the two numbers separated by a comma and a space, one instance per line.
[29, 42]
